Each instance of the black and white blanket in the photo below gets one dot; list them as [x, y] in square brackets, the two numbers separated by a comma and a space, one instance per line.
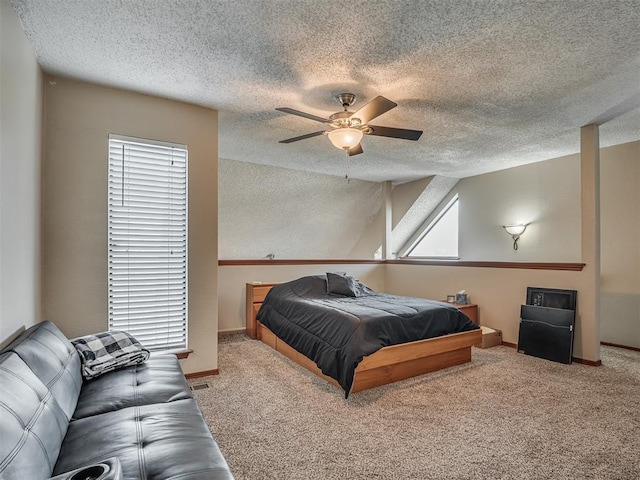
[107, 351]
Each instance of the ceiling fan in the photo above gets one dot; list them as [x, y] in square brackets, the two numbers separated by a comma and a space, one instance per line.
[346, 129]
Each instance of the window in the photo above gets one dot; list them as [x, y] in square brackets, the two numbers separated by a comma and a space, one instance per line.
[440, 238]
[148, 241]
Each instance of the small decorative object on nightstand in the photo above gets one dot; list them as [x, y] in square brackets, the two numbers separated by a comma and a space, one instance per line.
[461, 297]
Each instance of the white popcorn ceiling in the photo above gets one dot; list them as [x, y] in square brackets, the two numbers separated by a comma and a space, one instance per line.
[493, 84]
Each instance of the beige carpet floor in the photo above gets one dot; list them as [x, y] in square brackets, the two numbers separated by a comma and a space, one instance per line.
[503, 416]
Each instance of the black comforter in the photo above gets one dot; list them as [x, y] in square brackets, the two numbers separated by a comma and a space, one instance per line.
[337, 331]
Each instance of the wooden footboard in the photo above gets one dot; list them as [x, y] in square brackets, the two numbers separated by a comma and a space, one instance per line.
[387, 365]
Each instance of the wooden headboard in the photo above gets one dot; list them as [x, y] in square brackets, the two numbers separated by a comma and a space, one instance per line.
[255, 296]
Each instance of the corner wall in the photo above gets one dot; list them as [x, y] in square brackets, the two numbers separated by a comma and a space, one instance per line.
[620, 245]
[78, 120]
[546, 195]
[20, 154]
[405, 198]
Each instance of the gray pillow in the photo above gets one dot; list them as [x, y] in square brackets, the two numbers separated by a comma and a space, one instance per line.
[342, 284]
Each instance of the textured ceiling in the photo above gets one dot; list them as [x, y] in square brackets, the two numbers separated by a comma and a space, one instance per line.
[493, 84]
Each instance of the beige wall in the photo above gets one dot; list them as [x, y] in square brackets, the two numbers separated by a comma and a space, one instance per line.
[78, 120]
[551, 201]
[232, 283]
[544, 194]
[620, 244]
[20, 154]
[498, 293]
[403, 196]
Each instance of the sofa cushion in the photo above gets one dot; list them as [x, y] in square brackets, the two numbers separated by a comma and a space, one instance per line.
[32, 424]
[161, 441]
[54, 360]
[158, 380]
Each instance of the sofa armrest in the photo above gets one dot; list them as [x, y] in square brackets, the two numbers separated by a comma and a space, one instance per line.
[107, 470]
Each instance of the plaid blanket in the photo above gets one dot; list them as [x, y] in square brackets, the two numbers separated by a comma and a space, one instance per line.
[107, 351]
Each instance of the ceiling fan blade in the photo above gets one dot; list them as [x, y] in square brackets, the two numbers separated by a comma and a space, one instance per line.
[403, 133]
[302, 137]
[302, 114]
[374, 108]
[357, 150]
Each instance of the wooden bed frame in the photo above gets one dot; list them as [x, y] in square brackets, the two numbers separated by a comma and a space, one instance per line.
[387, 365]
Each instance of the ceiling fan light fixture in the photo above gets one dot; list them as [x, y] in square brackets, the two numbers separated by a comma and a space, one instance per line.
[345, 138]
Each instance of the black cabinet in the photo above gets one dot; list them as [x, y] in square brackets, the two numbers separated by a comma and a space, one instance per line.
[547, 324]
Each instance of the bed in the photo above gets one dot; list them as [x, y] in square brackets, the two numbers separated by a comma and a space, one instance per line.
[354, 337]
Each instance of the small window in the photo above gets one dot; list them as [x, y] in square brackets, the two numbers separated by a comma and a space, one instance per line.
[148, 241]
[440, 238]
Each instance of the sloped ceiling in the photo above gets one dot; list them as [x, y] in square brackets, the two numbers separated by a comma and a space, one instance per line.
[493, 84]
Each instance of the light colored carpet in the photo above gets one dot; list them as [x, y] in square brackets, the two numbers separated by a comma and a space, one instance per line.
[504, 415]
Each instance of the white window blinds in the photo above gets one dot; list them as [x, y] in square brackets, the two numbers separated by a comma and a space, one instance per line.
[148, 241]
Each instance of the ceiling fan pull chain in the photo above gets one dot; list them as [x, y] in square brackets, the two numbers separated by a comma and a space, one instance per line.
[347, 167]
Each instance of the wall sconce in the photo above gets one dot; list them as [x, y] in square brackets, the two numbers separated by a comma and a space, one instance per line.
[515, 231]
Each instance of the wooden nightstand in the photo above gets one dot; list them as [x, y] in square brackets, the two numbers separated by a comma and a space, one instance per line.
[255, 293]
[470, 310]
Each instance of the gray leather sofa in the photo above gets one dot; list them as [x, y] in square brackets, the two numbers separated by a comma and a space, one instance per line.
[139, 422]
